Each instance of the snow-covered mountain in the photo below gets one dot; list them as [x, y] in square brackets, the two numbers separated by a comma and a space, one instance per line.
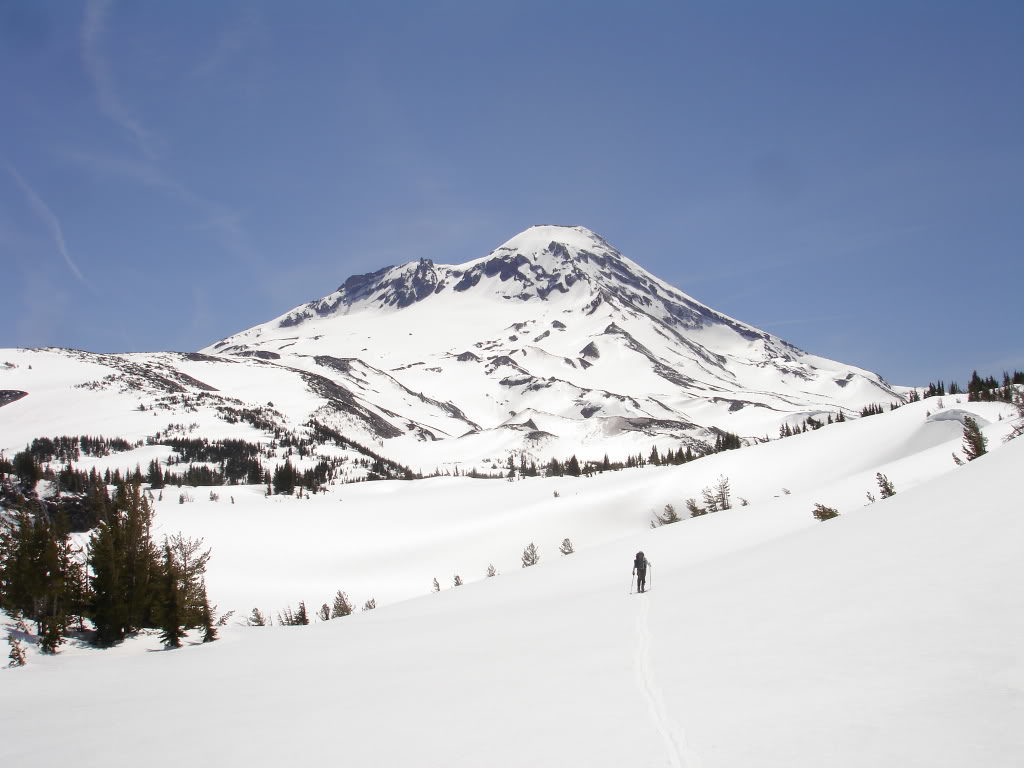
[553, 344]
[554, 337]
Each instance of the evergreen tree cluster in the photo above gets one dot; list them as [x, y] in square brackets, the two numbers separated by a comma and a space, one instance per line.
[68, 449]
[938, 389]
[555, 467]
[298, 618]
[716, 498]
[810, 423]
[989, 390]
[121, 583]
[238, 460]
[339, 607]
[380, 468]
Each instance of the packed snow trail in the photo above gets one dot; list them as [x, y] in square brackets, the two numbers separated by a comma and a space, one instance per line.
[679, 755]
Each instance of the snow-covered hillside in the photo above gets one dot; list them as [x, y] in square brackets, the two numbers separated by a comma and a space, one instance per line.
[552, 345]
[889, 636]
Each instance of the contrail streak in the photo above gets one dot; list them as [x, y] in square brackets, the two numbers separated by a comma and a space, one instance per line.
[49, 218]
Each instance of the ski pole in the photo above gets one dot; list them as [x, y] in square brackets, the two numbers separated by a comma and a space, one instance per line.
[631, 580]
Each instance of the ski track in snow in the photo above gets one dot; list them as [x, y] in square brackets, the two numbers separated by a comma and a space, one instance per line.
[679, 755]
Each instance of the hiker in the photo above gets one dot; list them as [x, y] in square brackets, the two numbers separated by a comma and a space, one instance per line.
[640, 564]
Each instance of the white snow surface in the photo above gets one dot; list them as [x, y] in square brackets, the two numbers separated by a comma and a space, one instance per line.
[889, 636]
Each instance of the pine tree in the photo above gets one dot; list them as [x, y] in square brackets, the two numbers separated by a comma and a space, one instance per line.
[17, 654]
[257, 619]
[324, 613]
[206, 618]
[694, 508]
[190, 560]
[437, 585]
[457, 581]
[823, 513]
[722, 493]
[285, 478]
[572, 467]
[1018, 403]
[491, 571]
[885, 486]
[301, 617]
[170, 603]
[566, 547]
[341, 607]
[710, 499]
[139, 555]
[155, 475]
[667, 517]
[370, 604]
[530, 556]
[975, 443]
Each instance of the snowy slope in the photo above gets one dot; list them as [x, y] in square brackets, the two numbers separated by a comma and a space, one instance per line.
[886, 637]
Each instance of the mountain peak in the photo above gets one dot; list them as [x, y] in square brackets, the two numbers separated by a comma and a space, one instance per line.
[538, 237]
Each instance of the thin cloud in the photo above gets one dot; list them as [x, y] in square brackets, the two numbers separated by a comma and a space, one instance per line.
[110, 104]
[232, 41]
[49, 218]
[225, 224]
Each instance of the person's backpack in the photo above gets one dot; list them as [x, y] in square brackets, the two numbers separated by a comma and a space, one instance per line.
[640, 561]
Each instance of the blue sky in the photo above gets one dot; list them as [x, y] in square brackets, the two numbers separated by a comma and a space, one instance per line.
[849, 176]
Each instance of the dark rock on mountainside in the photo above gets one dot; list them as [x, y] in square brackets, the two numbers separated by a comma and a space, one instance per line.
[262, 354]
[8, 396]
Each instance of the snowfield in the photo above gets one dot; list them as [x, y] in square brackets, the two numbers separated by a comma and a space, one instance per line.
[889, 636]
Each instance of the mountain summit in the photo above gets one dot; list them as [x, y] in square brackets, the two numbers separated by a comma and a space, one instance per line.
[552, 263]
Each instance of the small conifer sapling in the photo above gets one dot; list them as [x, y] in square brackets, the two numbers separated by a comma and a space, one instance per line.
[17, 654]
[342, 606]
[885, 487]
[823, 513]
[975, 443]
[530, 555]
